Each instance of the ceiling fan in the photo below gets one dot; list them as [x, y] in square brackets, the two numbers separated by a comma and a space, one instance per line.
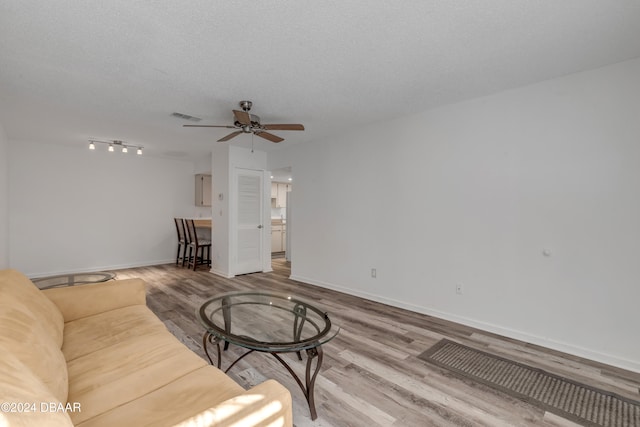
[250, 123]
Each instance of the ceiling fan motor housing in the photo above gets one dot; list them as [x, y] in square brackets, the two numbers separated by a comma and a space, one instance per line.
[255, 122]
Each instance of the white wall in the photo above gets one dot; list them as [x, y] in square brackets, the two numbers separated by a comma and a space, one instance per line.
[203, 165]
[472, 193]
[4, 200]
[72, 209]
[220, 257]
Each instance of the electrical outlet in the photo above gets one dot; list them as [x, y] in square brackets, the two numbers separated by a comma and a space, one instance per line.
[459, 289]
[374, 273]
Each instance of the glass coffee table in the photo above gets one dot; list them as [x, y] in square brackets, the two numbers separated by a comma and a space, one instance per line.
[270, 323]
[73, 279]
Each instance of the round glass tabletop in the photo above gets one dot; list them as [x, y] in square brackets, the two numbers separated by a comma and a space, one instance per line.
[72, 279]
[266, 321]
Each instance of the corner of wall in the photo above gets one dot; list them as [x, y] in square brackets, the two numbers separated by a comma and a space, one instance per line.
[220, 256]
[4, 199]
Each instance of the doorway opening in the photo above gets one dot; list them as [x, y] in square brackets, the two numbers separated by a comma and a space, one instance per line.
[281, 202]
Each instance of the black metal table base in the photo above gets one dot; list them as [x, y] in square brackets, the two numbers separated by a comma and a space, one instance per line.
[310, 377]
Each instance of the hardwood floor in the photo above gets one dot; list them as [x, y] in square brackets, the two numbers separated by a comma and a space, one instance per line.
[371, 375]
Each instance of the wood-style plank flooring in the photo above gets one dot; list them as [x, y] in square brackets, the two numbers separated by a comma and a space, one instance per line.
[371, 375]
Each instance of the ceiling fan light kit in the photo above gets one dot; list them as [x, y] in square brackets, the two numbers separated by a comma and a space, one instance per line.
[245, 122]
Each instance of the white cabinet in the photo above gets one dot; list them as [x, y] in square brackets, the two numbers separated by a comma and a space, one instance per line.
[203, 190]
[281, 200]
[278, 237]
[279, 194]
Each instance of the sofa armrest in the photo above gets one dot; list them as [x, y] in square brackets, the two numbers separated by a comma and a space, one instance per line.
[75, 302]
[267, 404]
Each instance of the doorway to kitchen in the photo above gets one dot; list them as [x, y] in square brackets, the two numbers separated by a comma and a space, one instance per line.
[281, 202]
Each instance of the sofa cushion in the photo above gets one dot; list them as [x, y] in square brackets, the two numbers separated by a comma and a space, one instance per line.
[19, 386]
[24, 335]
[46, 313]
[127, 370]
[182, 399]
[94, 333]
[75, 302]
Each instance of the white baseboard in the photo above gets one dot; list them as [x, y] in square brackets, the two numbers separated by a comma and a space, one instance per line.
[586, 353]
[221, 273]
[100, 268]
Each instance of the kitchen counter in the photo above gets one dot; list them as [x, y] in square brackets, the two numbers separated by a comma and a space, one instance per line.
[202, 222]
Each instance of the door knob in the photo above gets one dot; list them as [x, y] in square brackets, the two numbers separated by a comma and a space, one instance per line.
[260, 226]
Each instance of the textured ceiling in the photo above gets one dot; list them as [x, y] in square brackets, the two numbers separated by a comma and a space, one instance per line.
[72, 70]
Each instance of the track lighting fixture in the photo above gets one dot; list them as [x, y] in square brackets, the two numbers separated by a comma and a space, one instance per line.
[115, 143]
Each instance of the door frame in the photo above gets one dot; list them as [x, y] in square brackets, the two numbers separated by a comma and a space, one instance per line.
[265, 251]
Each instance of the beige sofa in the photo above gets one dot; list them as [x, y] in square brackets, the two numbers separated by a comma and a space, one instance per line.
[95, 355]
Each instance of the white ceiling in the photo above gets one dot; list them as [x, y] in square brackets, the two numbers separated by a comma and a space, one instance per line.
[73, 70]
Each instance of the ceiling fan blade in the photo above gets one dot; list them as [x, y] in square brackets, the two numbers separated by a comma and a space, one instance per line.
[243, 117]
[271, 137]
[283, 127]
[231, 135]
[208, 126]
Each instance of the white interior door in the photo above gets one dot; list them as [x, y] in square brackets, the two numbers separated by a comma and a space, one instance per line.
[249, 221]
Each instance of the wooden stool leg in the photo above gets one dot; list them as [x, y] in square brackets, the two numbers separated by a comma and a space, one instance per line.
[195, 259]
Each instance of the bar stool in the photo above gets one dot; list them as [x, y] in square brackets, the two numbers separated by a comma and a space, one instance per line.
[182, 240]
[195, 244]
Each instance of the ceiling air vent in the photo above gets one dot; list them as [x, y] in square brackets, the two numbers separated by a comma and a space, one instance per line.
[186, 117]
